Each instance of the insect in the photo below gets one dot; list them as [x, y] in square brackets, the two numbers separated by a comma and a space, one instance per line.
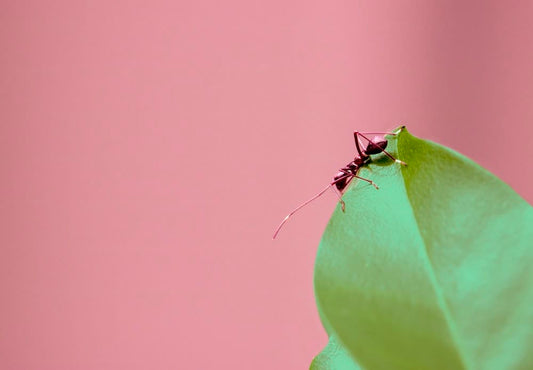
[349, 172]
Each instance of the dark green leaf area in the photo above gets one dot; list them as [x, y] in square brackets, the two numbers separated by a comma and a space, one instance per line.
[431, 271]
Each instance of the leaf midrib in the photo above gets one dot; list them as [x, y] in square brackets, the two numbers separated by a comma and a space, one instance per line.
[450, 322]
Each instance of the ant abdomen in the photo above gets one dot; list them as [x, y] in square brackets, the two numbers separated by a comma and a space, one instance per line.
[376, 147]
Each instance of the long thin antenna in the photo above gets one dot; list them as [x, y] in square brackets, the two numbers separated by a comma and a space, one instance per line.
[307, 202]
[297, 208]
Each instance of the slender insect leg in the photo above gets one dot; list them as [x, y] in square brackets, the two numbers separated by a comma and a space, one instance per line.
[358, 144]
[379, 133]
[343, 205]
[384, 151]
[367, 180]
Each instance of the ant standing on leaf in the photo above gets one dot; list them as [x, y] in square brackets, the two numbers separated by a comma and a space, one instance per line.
[349, 172]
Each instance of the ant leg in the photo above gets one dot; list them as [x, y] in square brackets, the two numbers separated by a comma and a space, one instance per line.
[343, 205]
[358, 144]
[380, 133]
[394, 159]
[384, 151]
[367, 180]
[306, 203]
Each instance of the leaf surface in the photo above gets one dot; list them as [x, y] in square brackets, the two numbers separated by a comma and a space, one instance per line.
[432, 271]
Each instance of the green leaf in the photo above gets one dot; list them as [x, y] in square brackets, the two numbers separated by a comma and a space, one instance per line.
[432, 271]
[334, 356]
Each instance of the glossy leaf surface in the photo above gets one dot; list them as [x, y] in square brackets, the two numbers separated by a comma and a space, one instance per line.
[432, 271]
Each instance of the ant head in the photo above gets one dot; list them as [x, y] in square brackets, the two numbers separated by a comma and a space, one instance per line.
[341, 180]
[376, 146]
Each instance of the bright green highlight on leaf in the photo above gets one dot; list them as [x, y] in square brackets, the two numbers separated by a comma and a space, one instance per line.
[431, 271]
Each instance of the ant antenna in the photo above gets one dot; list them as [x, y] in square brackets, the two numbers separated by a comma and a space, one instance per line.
[298, 208]
[307, 202]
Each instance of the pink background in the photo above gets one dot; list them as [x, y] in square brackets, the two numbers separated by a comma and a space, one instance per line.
[149, 149]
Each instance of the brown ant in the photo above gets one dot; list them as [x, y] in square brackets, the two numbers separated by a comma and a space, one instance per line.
[349, 172]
